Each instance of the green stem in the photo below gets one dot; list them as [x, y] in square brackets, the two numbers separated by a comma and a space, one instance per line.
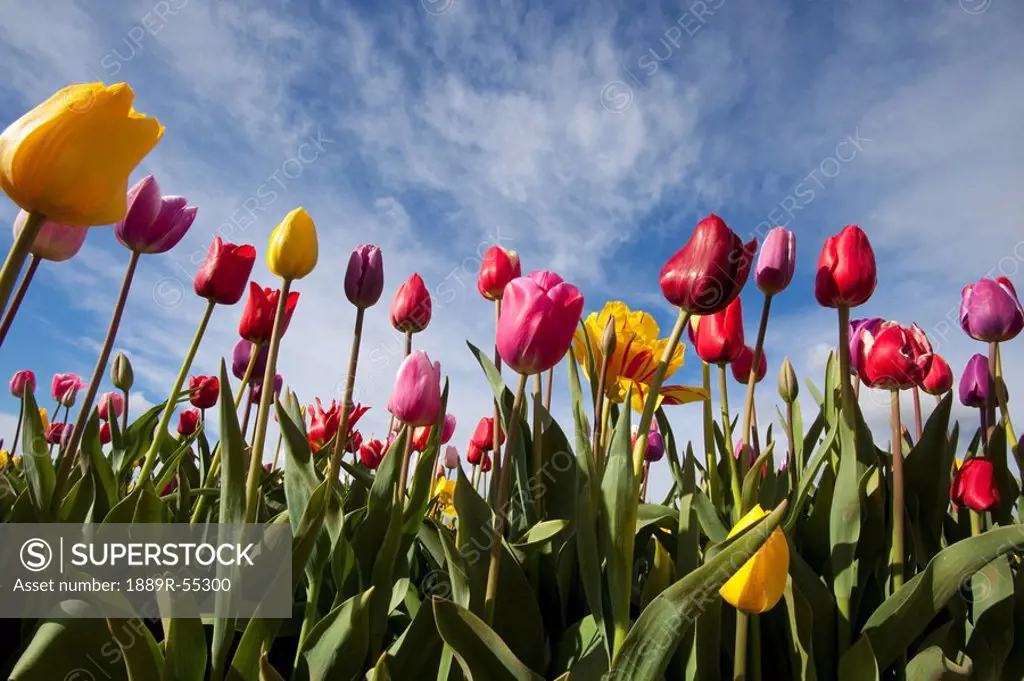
[739, 668]
[795, 467]
[263, 415]
[898, 551]
[500, 508]
[67, 456]
[710, 457]
[918, 427]
[341, 439]
[538, 449]
[19, 296]
[755, 647]
[124, 414]
[491, 493]
[846, 390]
[748, 403]
[406, 458]
[277, 450]
[730, 455]
[997, 380]
[309, 615]
[547, 390]
[172, 399]
[599, 412]
[17, 255]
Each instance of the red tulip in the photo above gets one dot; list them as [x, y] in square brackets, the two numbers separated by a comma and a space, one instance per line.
[371, 453]
[104, 433]
[539, 315]
[742, 364]
[257, 321]
[354, 443]
[846, 269]
[170, 487]
[474, 455]
[974, 485]
[324, 424]
[718, 338]
[421, 436]
[483, 436]
[224, 273]
[411, 306]
[21, 379]
[499, 267]
[895, 357]
[416, 397]
[709, 272]
[203, 391]
[939, 379]
[485, 465]
[188, 421]
[111, 402]
[55, 433]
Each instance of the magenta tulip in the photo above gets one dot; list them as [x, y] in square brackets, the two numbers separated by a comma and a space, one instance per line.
[990, 310]
[416, 398]
[65, 387]
[111, 405]
[973, 387]
[776, 262]
[55, 242]
[153, 223]
[539, 315]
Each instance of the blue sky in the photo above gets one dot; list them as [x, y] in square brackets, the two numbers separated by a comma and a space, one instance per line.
[590, 137]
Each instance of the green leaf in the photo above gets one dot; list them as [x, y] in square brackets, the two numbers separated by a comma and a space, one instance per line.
[752, 480]
[845, 519]
[144, 662]
[652, 640]
[807, 479]
[801, 622]
[931, 665]
[184, 649]
[39, 473]
[660, 576]
[541, 536]
[417, 649]
[336, 646]
[66, 644]
[991, 603]
[267, 671]
[481, 653]
[97, 468]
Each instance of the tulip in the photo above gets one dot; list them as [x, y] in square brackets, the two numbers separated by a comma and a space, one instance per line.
[5, 458]
[483, 436]
[411, 306]
[371, 453]
[990, 310]
[203, 391]
[758, 585]
[55, 433]
[655, 450]
[709, 272]
[485, 465]
[364, 278]
[111, 405]
[105, 433]
[188, 421]
[742, 364]
[858, 327]
[257, 321]
[153, 223]
[257, 389]
[55, 242]
[422, 434]
[242, 354]
[718, 338]
[499, 267]
[538, 319]
[121, 374]
[939, 379]
[20, 380]
[354, 442]
[416, 397]
[65, 387]
[223, 275]
[170, 487]
[894, 358]
[789, 386]
[474, 455]
[451, 458]
[292, 251]
[776, 262]
[974, 382]
[44, 419]
[70, 157]
[324, 423]
[846, 270]
[974, 485]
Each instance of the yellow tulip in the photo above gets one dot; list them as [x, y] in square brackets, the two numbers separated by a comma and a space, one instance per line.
[292, 251]
[633, 362]
[16, 460]
[70, 157]
[43, 419]
[4, 458]
[444, 493]
[759, 584]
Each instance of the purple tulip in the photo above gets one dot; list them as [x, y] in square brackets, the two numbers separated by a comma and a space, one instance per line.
[364, 278]
[153, 223]
[776, 262]
[257, 389]
[974, 382]
[241, 355]
[990, 310]
[858, 327]
[655, 446]
[55, 242]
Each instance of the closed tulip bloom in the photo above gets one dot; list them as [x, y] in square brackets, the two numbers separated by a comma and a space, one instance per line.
[485, 464]
[225, 272]
[709, 272]
[655, 444]
[776, 262]
[939, 379]
[257, 323]
[55, 433]
[104, 433]
[451, 458]
[421, 436]
[758, 585]
[411, 306]
[974, 382]
[974, 485]
[20, 380]
[990, 310]
[292, 251]
[499, 267]
[371, 453]
[188, 421]
[353, 443]
[895, 357]
[153, 223]
[416, 397]
[474, 455]
[203, 391]
[846, 269]
[718, 338]
[741, 365]
[70, 157]
[121, 374]
[111, 405]
[539, 315]
[364, 278]
[483, 436]
[64, 388]
[257, 389]
[44, 419]
[789, 386]
[55, 242]
[240, 356]
[858, 327]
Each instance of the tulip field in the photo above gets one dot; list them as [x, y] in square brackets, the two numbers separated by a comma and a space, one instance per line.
[810, 548]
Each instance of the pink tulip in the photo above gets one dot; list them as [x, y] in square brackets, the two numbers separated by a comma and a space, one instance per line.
[416, 398]
[22, 378]
[55, 242]
[65, 387]
[451, 457]
[776, 262]
[111, 402]
[153, 223]
[539, 315]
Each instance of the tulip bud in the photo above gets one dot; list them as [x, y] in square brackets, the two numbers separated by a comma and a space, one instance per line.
[54, 242]
[485, 465]
[990, 311]
[776, 262]
[364, 278]
[742, 365]
[974, 386]
[608, 338]
[451, 458]
[789, 387]
[483, 436]
[411, 307]
[242, 354]
[153, 223]
[474, 455]
[846, 269]
[974, 485]
[188, 421]
[203, 391]
[121, 374]
[499, 267]
[758, 585]
[292, 252]
[416, 397]
[538, 319]
[20, 380]
[223, 275]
